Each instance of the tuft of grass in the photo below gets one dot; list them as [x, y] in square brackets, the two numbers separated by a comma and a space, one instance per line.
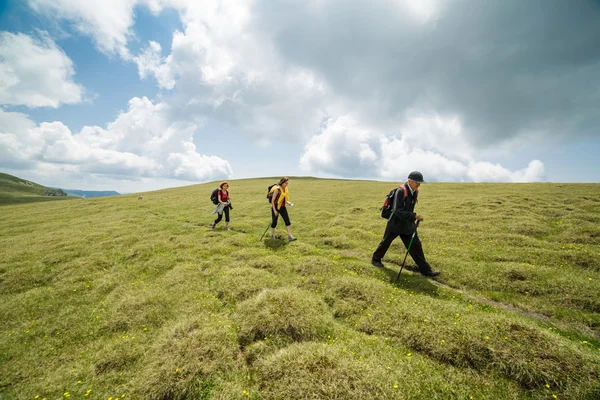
[332, 375]
[182, 363]
[238, 284]
[289, 314]
[311, 370]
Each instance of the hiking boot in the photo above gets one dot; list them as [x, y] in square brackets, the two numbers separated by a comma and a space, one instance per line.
[272, 236]
[377, 263]
[431, 274]
[227, 228]
[291, 238]
[212, 226]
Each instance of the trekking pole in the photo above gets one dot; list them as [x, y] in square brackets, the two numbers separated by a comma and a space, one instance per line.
[407, 251]
[265, 231]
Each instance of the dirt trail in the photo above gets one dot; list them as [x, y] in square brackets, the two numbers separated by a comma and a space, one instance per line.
[511, 308]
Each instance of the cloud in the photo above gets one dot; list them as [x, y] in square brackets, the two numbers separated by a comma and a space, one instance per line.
[276, 70]
[13, 153]
[108, 25]
[225, 70]
[220, 67]
[406, 82]
[501, 82]
[151, 63]
[139, 143]
[345, 148]
[35, 72]
[488, 172]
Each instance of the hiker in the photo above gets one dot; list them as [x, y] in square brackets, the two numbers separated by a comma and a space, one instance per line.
[223, 205]
[279, 198]
[402, 223]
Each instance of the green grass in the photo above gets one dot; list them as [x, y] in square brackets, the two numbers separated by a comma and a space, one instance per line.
[14, 190]
[119, 296]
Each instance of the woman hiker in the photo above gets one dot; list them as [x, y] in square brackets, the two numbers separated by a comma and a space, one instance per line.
[279, 198]
[223, 205]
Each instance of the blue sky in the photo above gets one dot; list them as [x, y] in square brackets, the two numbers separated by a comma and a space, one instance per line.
[147, 94]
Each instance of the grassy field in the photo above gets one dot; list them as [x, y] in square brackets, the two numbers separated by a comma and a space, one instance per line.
[138, 299]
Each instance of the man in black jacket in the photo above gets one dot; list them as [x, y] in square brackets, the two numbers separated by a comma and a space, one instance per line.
[402, 223]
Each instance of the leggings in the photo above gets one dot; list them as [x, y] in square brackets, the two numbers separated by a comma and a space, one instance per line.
[226, 210]
[284, 214]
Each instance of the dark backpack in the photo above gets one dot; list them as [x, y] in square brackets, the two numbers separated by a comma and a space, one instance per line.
[388, 205]
[214, 196]
[270, 194]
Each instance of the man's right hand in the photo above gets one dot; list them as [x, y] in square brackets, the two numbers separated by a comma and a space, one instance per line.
[419, 218]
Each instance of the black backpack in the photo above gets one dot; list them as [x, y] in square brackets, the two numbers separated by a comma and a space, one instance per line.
[270, 194]
[214, 196]
[388, 205]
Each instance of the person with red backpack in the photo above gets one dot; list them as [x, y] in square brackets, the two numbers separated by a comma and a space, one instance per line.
[221, 198]
[278, 196]
[399, 209]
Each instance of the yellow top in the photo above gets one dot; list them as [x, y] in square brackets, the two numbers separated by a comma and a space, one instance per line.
[283, 196]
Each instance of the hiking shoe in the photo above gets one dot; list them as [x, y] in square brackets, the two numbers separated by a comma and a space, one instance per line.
[377, 263]
[431, 274]
[272, 236]
[212, 226]
[227, 228]
[291, 238]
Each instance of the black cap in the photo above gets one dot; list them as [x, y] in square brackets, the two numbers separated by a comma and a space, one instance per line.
[416, 176]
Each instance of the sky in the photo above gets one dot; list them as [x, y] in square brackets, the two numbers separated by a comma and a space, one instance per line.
[138, 95]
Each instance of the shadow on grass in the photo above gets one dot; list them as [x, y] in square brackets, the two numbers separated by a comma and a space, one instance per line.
[223, 229]
[411, 281]
[275, 244]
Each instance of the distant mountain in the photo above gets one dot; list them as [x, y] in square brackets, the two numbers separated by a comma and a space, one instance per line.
[91, 193]
[18, 190]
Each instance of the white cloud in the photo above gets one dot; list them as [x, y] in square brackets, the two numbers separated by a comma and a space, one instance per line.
[151, 63]
[422, 10]
[344, 148]
[221, 66]
[139, 143]
[107, 23]
[35, 72]
[488, 172]
[225, 70]
[12, 151]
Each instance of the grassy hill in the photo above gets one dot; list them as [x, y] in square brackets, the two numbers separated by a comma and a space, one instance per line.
[139, 299]
[16, 190]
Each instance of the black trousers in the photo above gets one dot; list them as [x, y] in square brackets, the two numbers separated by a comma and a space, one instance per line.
[416, 249]
[284, 214]
[220, 215]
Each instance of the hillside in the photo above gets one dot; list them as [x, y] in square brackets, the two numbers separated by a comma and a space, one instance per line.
[16, 190]
[138, 299]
